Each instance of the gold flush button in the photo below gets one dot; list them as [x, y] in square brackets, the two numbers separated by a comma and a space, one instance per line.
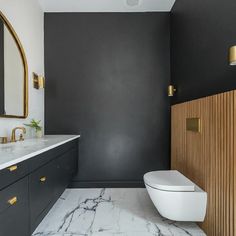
[193, 124]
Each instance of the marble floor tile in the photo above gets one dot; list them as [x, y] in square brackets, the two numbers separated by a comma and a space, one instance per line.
[110, 212]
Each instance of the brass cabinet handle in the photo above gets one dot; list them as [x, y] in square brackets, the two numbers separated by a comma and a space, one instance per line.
[12, 168]
[43, 179]
[12, 201]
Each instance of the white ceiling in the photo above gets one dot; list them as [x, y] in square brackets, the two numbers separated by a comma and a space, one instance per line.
[106, 5]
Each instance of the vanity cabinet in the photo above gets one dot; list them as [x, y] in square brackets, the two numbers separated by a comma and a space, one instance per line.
[29, 189]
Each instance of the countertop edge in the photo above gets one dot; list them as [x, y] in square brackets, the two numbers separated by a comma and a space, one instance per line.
[28, 156]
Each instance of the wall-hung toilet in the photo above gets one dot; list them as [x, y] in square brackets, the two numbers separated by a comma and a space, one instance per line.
[175, 196]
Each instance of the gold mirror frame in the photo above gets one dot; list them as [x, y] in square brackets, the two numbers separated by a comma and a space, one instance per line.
[23, 57]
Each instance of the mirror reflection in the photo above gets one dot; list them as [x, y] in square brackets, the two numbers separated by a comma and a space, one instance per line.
[12, 74]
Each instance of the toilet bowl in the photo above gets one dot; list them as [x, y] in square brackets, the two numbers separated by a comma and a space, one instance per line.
[176, 197]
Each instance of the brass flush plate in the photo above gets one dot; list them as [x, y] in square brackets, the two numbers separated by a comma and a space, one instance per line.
[193, 124]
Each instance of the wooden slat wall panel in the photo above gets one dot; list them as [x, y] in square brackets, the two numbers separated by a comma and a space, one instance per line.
[208, 157]
[179, 139]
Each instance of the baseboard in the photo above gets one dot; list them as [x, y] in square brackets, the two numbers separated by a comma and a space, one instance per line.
[107, 184]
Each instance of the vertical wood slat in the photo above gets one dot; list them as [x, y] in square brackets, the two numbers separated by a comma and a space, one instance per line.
[208, 157]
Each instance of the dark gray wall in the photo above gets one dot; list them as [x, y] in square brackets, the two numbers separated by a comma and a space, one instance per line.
[201, 34]
[2, 99]
[107, 76]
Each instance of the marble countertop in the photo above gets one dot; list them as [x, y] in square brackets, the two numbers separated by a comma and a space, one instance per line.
[13, 153]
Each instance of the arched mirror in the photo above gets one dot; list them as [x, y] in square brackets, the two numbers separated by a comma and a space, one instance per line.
[13, 73]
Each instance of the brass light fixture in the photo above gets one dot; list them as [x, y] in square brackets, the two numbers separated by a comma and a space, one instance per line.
[171, 90]
[232, 56]
[39, 81]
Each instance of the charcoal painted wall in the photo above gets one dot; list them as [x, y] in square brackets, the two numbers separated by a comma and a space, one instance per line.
[107, 75]
[2, 99]
[201, 34]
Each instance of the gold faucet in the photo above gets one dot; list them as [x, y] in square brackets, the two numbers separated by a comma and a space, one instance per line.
[13, 134]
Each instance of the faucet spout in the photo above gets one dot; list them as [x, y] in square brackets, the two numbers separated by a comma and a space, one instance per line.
[13, 134]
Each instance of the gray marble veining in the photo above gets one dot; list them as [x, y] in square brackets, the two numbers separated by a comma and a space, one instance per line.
[107, 212]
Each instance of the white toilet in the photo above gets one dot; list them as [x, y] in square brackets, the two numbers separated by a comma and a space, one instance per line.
[175, 196]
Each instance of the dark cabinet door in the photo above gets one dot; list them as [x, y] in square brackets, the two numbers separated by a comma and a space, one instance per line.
[41, 188]
[13, 173]
[66, 168]
[72, 163]
[14, 209]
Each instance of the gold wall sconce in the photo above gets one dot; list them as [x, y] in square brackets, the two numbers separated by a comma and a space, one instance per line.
[38, 81]
[232, 56]
[171, 90]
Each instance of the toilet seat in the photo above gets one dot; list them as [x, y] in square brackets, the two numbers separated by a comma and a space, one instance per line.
[170, 180]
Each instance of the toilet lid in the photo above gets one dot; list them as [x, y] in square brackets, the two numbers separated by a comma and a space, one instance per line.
[170, 180]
